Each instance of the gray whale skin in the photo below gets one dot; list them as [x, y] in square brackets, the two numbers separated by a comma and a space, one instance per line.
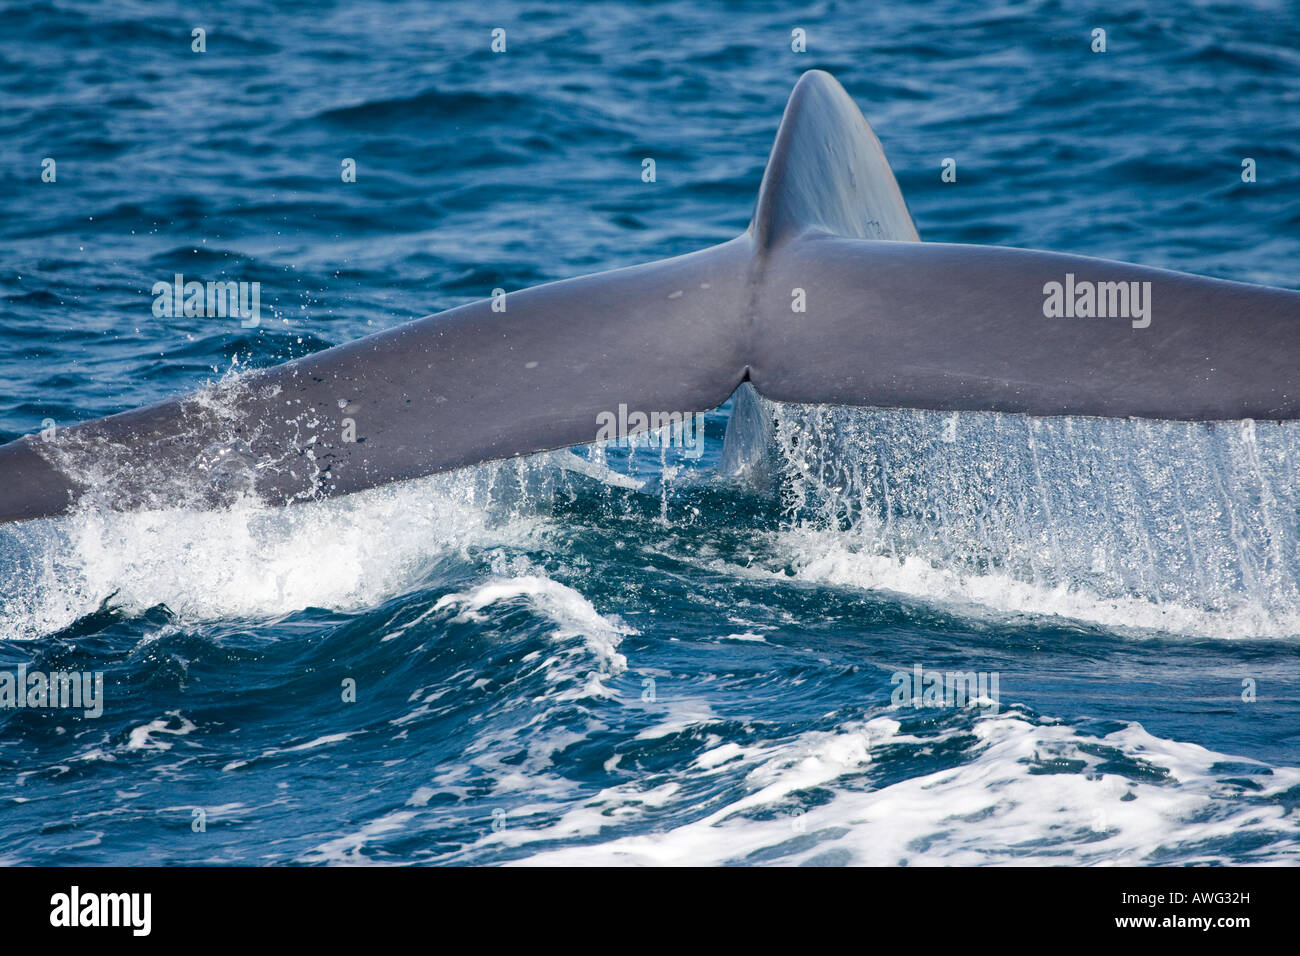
[886, 321]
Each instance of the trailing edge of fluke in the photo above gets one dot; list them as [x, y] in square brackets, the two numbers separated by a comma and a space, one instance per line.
[886, 321]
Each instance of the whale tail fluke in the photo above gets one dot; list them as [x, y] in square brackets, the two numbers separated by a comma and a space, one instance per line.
[828, 297]
[985, 328]
[846, 317]
[528, 371]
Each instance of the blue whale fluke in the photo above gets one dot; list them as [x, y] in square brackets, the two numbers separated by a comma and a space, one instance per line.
[828, 297]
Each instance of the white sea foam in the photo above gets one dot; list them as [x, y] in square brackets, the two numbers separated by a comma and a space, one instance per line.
[1002, 804]
[147, 736]
[349, 848]
[838, 559]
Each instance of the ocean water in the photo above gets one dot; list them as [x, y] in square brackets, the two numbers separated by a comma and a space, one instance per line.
[632, 656]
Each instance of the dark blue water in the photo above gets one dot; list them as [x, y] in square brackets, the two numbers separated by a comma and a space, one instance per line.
[549, 666]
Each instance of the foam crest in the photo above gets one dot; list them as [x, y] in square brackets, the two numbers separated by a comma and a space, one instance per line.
[572, 615]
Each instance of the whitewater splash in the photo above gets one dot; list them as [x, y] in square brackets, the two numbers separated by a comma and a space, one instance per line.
[253, 561]
[1175, 527]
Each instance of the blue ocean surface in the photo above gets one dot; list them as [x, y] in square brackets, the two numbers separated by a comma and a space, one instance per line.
[535, 661]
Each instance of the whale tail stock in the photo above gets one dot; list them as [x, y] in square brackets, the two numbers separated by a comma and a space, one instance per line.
[828, 297]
